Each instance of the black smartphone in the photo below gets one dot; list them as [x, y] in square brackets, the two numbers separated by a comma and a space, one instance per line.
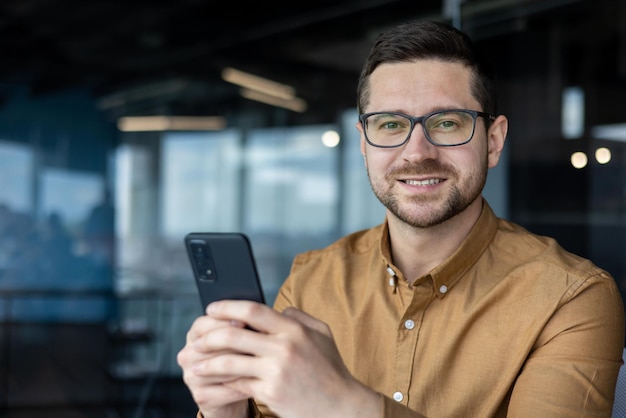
[223, 266]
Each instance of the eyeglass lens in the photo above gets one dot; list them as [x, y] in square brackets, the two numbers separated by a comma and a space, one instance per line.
[442, 128]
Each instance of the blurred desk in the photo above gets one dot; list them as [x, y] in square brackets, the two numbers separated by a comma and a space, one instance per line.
[53, 344]
[151, 329]
[87, 348]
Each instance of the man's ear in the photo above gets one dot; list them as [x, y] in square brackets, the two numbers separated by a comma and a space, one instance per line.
[359, 128]
[496, 136]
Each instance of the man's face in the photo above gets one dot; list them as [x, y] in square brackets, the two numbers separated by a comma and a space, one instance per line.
[419, 183]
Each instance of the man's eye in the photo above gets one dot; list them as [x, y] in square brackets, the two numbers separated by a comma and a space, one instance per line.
[444, 124]
[391, 125]
[447, 124]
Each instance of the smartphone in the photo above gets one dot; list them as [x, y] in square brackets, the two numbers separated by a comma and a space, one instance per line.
[223, 266]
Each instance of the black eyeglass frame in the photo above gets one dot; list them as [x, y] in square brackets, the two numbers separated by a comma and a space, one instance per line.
[419, 119]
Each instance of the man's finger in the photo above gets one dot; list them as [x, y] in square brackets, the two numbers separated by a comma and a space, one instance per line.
[307, 320]
[204, 324]
[258, 316]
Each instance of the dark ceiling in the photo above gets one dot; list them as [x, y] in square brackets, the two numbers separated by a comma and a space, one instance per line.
[140, 57]
[169, 53]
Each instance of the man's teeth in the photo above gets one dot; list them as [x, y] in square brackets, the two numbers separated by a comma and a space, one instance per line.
[422, 182]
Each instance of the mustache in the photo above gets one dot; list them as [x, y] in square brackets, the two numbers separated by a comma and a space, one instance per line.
[423, 168]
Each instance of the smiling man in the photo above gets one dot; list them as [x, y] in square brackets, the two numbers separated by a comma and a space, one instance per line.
[443, 310]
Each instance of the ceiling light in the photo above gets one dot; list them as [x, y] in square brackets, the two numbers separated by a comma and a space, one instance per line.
[296, 104]
[603, 155]
[579, 159]
[146, 92]
[170, 123]
[260, 84]
[330, 139]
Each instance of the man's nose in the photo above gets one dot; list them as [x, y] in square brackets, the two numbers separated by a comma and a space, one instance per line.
[418, 147]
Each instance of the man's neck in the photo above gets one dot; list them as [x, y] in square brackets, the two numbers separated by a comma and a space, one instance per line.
[416, 251]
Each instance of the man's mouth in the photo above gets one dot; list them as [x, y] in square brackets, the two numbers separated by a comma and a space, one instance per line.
[422, 182]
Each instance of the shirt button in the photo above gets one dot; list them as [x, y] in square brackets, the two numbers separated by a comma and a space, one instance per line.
[398, 396]
[408, 324]
[443, 288]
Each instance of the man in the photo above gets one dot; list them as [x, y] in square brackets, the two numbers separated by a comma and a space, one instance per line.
[444, 310]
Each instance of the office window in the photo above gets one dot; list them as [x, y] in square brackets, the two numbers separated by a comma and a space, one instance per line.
[361, 208]
[291, 197]
[200, 182]
[16, 176]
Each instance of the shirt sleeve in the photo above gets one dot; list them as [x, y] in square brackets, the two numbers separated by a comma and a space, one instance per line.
[253, 411]
[573, 367]
[390, 409]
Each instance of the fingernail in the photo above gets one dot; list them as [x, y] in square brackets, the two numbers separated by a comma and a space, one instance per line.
[209, 308]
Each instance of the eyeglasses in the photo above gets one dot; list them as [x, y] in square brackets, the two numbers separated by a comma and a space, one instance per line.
[444, 128]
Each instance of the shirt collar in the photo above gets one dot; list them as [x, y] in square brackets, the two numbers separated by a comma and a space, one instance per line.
[448, 273]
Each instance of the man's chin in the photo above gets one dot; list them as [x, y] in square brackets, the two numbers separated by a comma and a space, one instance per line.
[426, 217]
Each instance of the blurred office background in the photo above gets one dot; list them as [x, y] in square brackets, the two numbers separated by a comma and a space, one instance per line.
[125, 125]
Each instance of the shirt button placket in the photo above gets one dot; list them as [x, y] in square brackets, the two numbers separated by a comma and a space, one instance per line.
[407, 336]
[398, 396]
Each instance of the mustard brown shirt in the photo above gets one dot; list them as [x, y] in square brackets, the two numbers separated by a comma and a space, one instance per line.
[511, 325]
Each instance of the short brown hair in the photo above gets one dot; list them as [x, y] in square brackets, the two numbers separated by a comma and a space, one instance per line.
[429, 40]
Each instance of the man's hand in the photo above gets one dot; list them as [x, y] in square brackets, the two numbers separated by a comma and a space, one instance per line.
[290, 363]
[210, 394]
